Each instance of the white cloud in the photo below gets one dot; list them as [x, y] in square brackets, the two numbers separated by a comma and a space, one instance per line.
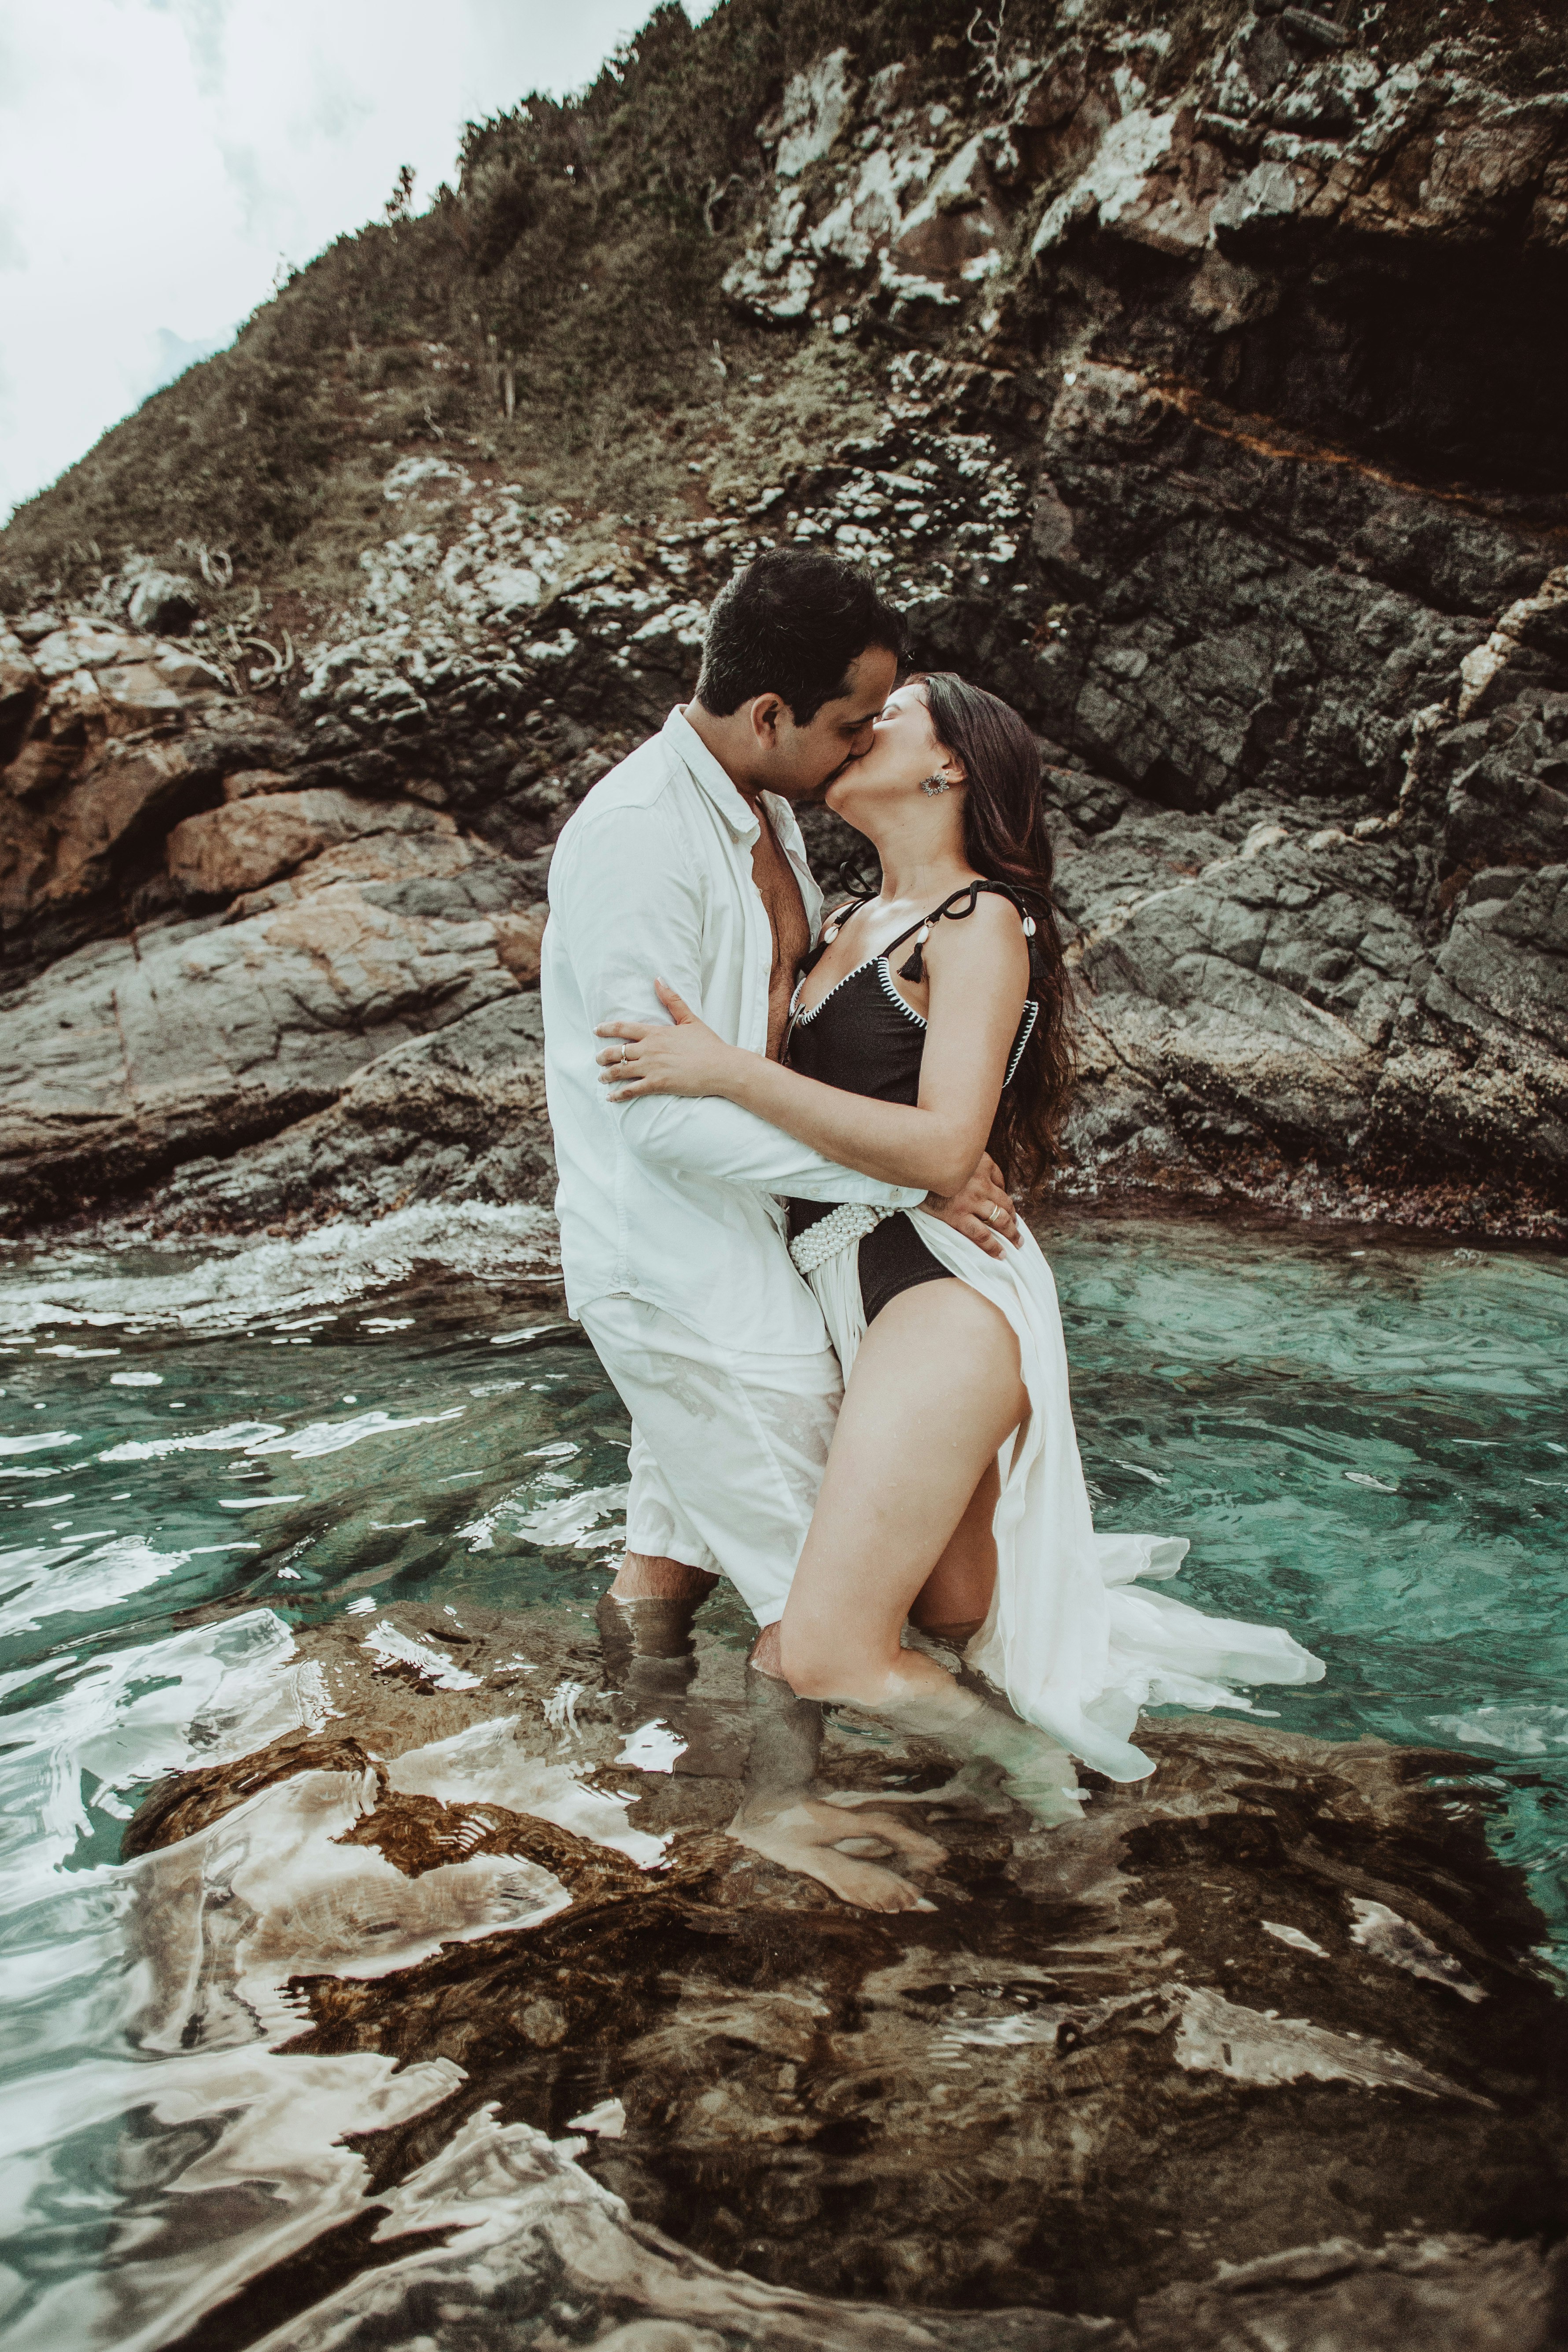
[159, 158]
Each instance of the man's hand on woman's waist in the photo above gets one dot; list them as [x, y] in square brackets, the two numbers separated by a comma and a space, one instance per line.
[981, 1210]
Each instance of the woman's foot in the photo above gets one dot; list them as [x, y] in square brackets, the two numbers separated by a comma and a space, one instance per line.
[807, 1835]
[919, 1697]
[883, 1686]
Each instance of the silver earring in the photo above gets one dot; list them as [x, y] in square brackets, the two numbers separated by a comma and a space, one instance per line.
[934, 785]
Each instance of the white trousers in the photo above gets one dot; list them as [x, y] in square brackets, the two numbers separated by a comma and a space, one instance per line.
[728, 1446]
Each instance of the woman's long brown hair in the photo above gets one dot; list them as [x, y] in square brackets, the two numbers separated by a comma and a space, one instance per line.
[1006, 839]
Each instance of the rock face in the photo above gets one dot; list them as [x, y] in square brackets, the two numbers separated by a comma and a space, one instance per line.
[1205, 401]
[1178, 2072]
[131, 1057]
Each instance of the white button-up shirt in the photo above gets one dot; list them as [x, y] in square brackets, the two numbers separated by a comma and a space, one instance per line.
[667, 1199]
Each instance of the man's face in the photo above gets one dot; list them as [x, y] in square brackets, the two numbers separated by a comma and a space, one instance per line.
[803, 761]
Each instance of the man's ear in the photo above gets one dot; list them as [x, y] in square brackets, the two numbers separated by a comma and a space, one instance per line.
[768, 712]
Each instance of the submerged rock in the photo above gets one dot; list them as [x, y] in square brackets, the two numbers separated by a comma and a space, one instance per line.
[1254, 2049]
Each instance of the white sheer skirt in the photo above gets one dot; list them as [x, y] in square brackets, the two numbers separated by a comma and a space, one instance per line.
[1078, 1638]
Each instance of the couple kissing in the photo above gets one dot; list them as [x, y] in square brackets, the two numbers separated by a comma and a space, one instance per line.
[787, 1132]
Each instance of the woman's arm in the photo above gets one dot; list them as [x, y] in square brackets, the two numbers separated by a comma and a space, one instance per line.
[979, 972]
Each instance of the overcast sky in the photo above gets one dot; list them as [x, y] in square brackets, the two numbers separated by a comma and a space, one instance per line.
[161, 159]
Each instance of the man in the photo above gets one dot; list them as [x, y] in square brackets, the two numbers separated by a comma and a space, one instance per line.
[686, 864]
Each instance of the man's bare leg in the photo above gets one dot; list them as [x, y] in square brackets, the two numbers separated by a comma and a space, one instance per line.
[645, 1576]
[765, 1657]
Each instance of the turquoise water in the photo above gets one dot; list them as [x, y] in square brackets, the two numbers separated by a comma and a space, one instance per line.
[1366, 1441]
[201, 1450]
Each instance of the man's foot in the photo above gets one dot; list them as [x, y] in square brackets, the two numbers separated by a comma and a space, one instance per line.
[643, 1577]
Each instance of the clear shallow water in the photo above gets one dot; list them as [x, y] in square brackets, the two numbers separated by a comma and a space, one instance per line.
[1369, 1442]
[202, 1453]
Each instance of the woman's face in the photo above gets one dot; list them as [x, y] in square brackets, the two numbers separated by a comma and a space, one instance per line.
[904, 752]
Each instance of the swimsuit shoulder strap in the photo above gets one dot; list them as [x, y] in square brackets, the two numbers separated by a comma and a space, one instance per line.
[831, 928]
[955, 909]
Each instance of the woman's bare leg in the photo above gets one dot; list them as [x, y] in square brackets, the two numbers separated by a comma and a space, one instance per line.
[934, 1392]
[955, 1599]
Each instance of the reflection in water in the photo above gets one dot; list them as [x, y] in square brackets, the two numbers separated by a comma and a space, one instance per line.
[404, 1944]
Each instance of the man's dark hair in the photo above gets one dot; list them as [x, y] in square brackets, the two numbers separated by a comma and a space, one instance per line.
[791, 624]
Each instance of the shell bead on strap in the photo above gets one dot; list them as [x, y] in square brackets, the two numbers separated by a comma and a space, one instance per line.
[915, 967]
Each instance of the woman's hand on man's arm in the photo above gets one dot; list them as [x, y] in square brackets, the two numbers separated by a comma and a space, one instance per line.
[678, 1056]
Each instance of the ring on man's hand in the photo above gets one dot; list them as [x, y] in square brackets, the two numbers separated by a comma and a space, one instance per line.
[991, 1214]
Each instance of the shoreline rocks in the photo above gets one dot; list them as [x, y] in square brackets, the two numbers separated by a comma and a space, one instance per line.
[1203, 408]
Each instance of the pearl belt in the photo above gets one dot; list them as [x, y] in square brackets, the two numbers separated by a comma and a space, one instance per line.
[849, 1223]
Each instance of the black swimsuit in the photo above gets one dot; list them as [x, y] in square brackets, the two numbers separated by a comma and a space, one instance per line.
[862, 1036]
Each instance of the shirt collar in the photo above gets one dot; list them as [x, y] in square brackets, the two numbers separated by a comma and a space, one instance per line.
[693, 753]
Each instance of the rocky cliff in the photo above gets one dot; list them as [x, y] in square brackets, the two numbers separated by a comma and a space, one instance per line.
[1191, 376]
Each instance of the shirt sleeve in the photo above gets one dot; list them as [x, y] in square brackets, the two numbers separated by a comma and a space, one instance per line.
[632, 908]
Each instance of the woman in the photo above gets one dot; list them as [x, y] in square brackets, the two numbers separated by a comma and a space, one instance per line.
[929, 1024]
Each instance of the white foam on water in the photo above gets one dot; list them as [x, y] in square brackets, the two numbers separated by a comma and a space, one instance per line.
[61, 1580]
[233, 1437]
[228, 1285]
[391, 1648]
[1524, 1728]
[36, 1440]
[486, 1764]
[652, 1747]
[205, 1696]
[573, 1521]
[319, 1437]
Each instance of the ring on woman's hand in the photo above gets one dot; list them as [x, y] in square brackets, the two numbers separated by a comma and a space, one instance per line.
[622, 1050]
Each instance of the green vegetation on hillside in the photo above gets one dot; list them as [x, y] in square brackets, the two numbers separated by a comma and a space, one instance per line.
[580, 256]
[586, 238]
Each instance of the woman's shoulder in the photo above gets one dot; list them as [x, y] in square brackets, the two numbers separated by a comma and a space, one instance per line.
[987, 914]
